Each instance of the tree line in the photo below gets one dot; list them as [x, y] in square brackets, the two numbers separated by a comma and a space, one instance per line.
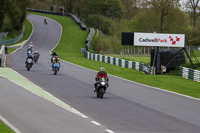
[112, 17]
[12, 15]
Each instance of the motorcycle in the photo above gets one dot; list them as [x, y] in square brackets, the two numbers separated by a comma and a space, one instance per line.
[29, 63]
[56, 67]
[101, 87]
[29, 52]
[36, 57]
[45, 21]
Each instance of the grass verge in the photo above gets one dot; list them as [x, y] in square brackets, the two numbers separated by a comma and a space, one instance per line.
[73, 38]
[4, 128]
[10, 50]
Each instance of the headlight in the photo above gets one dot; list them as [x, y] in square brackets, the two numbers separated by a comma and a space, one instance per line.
[103, 83]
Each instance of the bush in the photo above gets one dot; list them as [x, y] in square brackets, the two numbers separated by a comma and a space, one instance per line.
[106, 44]
[106, 25]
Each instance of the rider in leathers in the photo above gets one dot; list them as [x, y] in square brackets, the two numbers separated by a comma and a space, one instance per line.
[101, 73]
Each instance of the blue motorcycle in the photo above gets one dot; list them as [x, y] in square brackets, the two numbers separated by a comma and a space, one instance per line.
[56, 67]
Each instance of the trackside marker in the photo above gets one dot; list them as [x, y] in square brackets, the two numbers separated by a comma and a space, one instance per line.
[109, 131]
[96, 123]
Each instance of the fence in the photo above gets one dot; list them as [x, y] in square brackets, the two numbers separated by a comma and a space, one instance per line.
[7, 42]
[119, 62]
[89, 38]
[146, 51]
[188, 73]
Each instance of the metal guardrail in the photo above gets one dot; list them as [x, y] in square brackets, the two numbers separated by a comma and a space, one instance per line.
[74, 17]
[44, 11]
[2, 55]
[89, 38]
[77, 20]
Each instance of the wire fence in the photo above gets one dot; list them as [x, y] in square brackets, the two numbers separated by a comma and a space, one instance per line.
[3, 40]
[146, 51]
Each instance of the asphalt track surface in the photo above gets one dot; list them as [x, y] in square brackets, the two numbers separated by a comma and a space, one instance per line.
[127, 107]
[29, 113]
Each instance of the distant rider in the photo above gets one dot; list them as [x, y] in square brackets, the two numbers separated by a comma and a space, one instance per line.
[100, 74]
[53, 55]
[45, 21]
[29, 51]
[31, 45]
[36, 53]
[56, 61]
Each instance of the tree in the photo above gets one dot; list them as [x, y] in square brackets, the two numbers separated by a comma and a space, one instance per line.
[2, 11]
[193, 5]
[108, 8]
[13, 13]
[162, 7]
[131, 8]
[156, 16]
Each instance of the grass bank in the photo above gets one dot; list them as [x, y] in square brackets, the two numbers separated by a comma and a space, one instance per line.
[4, 128]
[73, 38]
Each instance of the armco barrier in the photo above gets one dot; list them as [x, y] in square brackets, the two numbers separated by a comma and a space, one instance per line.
[119, 62]
[77, 20]
[2, 55]
[89, 38]
[74, 17]
[188, 73]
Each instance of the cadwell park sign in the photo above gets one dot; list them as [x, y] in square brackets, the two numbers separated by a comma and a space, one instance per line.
[154, 40]
[158, 40]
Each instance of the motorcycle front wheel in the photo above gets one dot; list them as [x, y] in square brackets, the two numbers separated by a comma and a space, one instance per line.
[101, 91]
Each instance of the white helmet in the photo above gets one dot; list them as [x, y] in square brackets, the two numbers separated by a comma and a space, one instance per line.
[102, 69]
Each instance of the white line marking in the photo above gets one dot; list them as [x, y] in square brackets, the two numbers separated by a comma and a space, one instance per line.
[9, 125]
[66, 106]
[109, 131]
[96, 123]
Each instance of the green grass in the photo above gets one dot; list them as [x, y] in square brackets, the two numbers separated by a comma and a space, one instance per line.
[10, 50]
[28, 30]
[73, 39]
[4, 128]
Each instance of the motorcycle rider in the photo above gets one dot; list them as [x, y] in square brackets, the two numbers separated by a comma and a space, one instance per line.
[45, 20]
[53, 55]
[101, 74]
[31, 57]
[29, 51]
[36, 53]
[31, 45]
[36, 56]
[56, 61]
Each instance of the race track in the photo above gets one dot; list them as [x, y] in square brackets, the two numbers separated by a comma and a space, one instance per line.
[128, 107]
